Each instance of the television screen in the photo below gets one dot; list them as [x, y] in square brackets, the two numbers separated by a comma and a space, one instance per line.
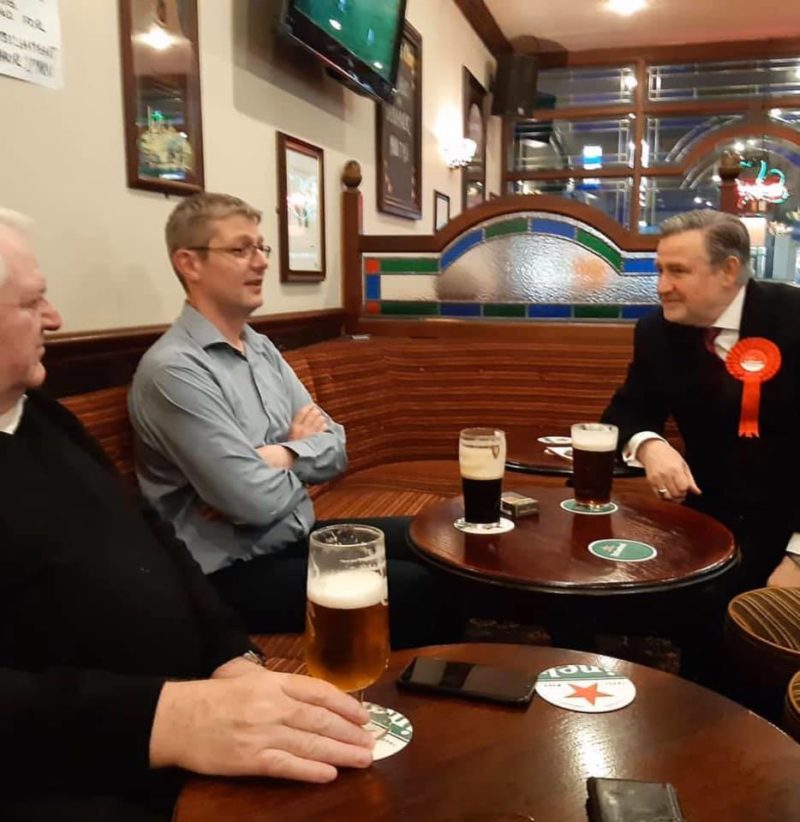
[359, 38]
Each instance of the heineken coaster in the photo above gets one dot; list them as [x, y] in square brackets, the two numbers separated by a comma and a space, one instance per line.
[585, 688]
[555, 440]
[620, 550]
[576, 508]
[392, 734]
[499, 528]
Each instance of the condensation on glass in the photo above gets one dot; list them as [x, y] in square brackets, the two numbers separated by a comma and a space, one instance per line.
[564, 144]
[607, 194]
[739, 78]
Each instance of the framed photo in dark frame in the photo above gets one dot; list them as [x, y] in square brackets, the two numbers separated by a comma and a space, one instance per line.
[301, 210]
[161, 95]
[473, 176]
[398, 135]
[441, 210]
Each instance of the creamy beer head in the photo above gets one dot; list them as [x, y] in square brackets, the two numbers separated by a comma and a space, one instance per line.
[481, 453]
[594, 436]
[347, 590]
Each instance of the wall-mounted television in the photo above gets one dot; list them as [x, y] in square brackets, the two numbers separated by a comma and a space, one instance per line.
[360, 39]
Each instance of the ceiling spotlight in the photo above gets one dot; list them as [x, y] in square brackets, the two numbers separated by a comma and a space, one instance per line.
[630, 82]
[625, 7]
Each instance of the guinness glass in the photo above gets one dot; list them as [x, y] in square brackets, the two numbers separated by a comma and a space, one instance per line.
[481, 460]
[594, 445]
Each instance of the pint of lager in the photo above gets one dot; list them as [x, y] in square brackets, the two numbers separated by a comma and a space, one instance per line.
[593, 449]
[481, 460]
[347, 615]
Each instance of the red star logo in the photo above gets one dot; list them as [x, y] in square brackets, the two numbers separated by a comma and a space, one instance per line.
[589, 693]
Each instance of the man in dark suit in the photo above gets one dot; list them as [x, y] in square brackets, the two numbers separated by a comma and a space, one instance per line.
[680, 367]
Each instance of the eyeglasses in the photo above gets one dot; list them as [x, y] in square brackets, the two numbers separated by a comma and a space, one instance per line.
[240, 252]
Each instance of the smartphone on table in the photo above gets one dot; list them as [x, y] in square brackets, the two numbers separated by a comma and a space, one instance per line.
[467, 679]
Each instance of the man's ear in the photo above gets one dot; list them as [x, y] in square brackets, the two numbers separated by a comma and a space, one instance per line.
[185, 264]
[731, 269]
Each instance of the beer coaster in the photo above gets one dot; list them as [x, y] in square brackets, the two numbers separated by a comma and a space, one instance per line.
[487, 530]
[585, 688]
[575, 508]
[392, 733]
[557, 451]
[622, 550]
[555, 440]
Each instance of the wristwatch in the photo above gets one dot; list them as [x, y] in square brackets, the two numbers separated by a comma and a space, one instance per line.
[255, 657]
[795, 558]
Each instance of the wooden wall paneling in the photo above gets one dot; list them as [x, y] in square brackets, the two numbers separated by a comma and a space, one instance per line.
[687, 53]
[485, 26]
[89, 361]
[352, 279]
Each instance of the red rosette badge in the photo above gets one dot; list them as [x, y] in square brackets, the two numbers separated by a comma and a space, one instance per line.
[752, 360]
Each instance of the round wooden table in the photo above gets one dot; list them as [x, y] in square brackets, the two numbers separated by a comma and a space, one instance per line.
[524, 453]
[549, 553]
[474, 761]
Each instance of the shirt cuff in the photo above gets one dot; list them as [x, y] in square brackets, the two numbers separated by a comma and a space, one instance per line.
[629, 451]
[794, 545]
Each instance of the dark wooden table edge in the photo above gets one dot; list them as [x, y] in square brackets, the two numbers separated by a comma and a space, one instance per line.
[620, 471]
[620, 589]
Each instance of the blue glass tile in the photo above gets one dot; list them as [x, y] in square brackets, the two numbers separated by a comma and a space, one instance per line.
[373, 286]
[460, 247]
[639, 265]
[550, 311]
[542, 226]
[460, 310]
[633, 312]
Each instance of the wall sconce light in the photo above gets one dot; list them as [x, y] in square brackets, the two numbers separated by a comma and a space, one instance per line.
[459, 153]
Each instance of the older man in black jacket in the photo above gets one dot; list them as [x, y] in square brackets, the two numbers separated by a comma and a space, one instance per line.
[118, 664]
[689, 361]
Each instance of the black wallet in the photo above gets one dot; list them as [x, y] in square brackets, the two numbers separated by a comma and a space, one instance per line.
[631, 800]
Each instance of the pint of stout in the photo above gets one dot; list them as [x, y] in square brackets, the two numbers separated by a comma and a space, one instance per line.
[347, 614]
[594, 445]
[347, 628]
[481, 461]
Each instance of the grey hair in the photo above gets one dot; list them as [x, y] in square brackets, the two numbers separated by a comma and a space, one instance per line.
[18, 222]
[725, 236]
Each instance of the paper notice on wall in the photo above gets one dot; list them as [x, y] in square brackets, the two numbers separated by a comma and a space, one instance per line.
[30, 41]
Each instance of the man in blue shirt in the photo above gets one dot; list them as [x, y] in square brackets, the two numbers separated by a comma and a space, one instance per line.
[227, 436]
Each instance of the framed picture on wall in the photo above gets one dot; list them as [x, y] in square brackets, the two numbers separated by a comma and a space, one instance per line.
[473, 177]
[441, 210]
[301, 210]
[398, 135]
[161, 95]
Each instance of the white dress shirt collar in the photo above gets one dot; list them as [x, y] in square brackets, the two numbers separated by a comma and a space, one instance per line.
[9, 420]
[731, 317]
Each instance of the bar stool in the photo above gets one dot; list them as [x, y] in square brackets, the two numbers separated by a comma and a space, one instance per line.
[762, 632]
[791, 711]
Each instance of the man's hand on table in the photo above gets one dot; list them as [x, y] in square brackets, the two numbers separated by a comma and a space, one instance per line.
[248, 721]
[667, 472]
[786, 575]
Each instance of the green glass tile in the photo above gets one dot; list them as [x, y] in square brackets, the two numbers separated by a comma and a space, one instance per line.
[415, 308]
[516, 226]
[503, 310]
[601, 247]
[596, 312]
[405, 265]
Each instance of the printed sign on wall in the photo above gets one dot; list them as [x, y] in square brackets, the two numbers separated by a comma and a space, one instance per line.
[30, 41]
